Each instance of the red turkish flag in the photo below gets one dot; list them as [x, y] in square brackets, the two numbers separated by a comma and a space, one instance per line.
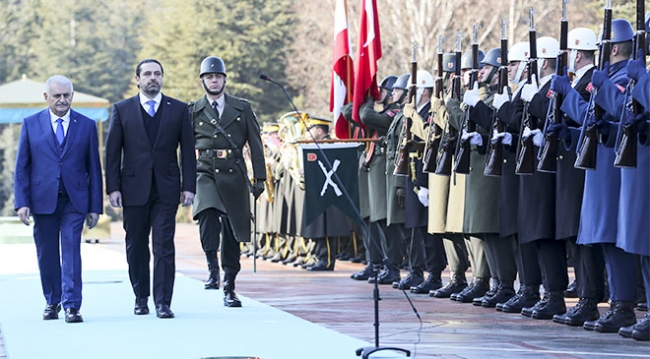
[369, 52]
[342, 70]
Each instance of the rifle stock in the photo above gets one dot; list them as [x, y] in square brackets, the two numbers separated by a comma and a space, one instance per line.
[401, 162]
[463, 149]
[434, 133]
[525, 160]
[548, 151]
[494, 158]
[447, 147]
[626, 140]
[588, 145]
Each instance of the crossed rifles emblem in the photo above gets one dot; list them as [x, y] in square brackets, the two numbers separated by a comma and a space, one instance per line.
[328, 178]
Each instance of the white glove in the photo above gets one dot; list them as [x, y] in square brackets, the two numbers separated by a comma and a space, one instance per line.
[423, 196]
[526, 133]
[471, 97]
[501, 98]
[529, 90]
[507, 139]
[538, 137]
[473, 137]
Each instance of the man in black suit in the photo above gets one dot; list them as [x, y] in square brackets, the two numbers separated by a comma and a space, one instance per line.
[143, 175]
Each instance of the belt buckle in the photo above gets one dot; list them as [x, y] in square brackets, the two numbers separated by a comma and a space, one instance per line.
[222, 153]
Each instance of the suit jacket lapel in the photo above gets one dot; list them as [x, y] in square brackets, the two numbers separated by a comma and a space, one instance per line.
[46, 127]
[165, 106]
[71, 136]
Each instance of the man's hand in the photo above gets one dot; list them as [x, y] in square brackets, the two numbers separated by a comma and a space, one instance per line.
[409, 110]
[23, 215]
[258, 188]
[91, 220]
[115, 198]
[501, 98]
[538, 137]
[599, 77]
[636, 68]
[529, 90]
[561, 84]
[187, 198]
[471, 97]
[400, 193]
[474, 138]
[423, 196]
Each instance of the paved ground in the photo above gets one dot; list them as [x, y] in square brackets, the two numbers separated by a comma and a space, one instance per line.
[441, 328]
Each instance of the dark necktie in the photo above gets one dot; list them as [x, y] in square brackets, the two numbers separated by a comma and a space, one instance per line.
[60, 134]
[216, 109]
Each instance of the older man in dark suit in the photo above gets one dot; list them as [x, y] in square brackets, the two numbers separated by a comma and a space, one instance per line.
[143, 175]
[58, 180]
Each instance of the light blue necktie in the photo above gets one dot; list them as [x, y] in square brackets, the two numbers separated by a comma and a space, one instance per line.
[60, 134]
[152, 107]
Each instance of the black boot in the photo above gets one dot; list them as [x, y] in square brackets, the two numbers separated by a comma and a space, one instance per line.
[432, 283]
[621, 315]
[478, 301]
[214, 277]
[502, 295]
[554, 305]
[230, 298]
[478, 288]
[363, 274]
[456, 284]
[389, 275]
[528, 297]
[586, 309]
[572, 290]
[641, 330]
[414, 278]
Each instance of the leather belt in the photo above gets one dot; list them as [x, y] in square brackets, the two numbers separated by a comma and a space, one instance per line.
[215, 153]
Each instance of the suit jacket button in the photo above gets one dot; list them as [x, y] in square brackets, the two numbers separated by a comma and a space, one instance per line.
[238, 118]
[216, 171]
[215, 136]
[229, 135]
[230, 170]
[560, 158]
[201, 123]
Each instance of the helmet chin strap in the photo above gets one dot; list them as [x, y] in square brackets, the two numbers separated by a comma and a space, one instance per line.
[571, 67]
[520, 70]
[418, 96]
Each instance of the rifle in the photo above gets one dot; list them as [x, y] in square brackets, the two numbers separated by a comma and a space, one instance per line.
[588, 143]
[401, 162]
[462, 154]
[435, 132]
[626, 146]
[548, 151]
[446, 149]
[525, 159]
[494, 158]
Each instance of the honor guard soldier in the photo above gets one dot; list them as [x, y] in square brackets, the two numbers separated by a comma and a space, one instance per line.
[223, 125]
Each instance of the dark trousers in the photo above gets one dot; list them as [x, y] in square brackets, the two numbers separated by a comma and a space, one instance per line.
[60, 270]
[500, 253]
[213, 227]
[621, 273]
[160, 219]
[552, 260]
[645, 271]
[527, 256]
[591, 280]
[392, 241]
[434, 259]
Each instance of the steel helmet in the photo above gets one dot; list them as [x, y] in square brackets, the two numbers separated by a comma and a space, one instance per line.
[388, 82]
[466, 60]
[621, 31]
[449, 62]
[519, 52]
[402, 82]
[424, 78]
[582, 38]
[212, 64]
[493, 57]
[547, 47]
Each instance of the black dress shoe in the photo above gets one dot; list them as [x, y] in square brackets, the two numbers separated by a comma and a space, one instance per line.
[141, 307]
[214, 277]
[622, 316]
[502, 295]
[72, 316]
[477, 289]
[430, 284]
[51, 311]
[321, 267]
[363, 274]
[554, 305]
[453, 287]
[163, 311]
[586, 309]
[230, 299]
[526, 298]
[572, 290]
[411, 280]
